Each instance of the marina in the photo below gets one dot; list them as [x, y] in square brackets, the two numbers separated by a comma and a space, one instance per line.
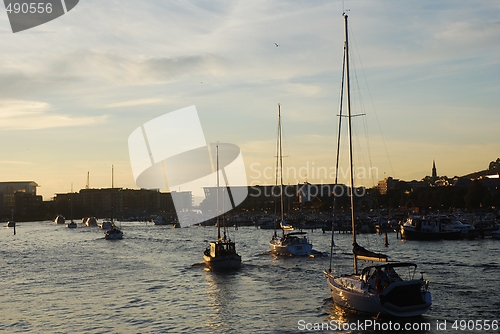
[56, 279]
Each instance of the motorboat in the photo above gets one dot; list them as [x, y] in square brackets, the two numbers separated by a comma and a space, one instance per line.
[291, 244]
[106, 225]
[71, 224]
[113, 234]
[427, 228]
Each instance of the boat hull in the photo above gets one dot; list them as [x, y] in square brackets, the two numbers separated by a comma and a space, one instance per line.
[409, 234]
[223, 262]
[277, 248]
[113, 234]
[349, 293]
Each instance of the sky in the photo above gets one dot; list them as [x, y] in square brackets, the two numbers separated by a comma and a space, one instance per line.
[425, 74]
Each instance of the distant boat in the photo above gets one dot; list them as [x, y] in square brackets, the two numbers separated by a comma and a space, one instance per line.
[379, 289]
[10, 223]
[59, 220]
[267, 223]
[71, 224]
[113, 234]
[106, 225]
[292, 243]
[90, 221]
[221, 254]
[423, 228]
[159, 220]
[112, 231]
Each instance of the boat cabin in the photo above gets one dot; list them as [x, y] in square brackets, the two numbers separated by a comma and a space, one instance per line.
[424, 225]
[221, 248]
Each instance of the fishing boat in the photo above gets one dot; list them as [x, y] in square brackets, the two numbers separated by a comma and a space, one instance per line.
[378, 289]
[289, 243]
[221, 254]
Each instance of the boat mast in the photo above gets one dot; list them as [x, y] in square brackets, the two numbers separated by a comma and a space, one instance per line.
[349, 133]
[217, 169]
[112, 189]
[282, 207]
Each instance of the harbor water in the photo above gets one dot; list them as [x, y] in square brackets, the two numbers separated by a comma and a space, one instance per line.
[59, 280]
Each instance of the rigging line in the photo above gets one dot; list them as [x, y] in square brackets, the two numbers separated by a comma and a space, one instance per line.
[361, 106]
[373, 106]
[339, 135]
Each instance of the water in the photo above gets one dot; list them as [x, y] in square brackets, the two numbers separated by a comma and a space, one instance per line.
[59, 280]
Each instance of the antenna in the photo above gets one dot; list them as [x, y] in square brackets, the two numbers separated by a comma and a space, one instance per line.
[88, 177]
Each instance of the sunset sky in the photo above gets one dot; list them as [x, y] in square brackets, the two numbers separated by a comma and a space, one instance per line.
[425, 73]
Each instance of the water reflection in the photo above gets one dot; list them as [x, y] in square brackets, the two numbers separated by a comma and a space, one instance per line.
[342, 321]
[222, 294]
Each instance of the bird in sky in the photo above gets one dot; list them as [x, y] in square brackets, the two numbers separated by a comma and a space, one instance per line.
[276, 44]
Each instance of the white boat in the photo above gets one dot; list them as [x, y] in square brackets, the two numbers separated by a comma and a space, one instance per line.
[379, 289]
[221, 254]
[291, 243]
[427, 228]
[59, 220]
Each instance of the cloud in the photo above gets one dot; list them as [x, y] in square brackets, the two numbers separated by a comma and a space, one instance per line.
[35, 115]
[135, 103]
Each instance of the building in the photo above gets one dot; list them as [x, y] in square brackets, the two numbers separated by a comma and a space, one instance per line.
[19, 201]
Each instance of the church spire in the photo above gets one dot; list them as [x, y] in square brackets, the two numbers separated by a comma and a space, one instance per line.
[434, 172]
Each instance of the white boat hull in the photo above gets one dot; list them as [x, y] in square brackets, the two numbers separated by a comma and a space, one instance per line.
[349, 293]
[277, 248]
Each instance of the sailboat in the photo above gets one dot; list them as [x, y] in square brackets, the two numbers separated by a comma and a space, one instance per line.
[112, 233]
[221, 254]
[379, 289]
[71, 224]
[291, 243]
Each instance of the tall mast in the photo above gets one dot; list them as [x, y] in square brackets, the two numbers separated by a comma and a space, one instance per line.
[349, 134]
[282, 208]
[217, 168]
